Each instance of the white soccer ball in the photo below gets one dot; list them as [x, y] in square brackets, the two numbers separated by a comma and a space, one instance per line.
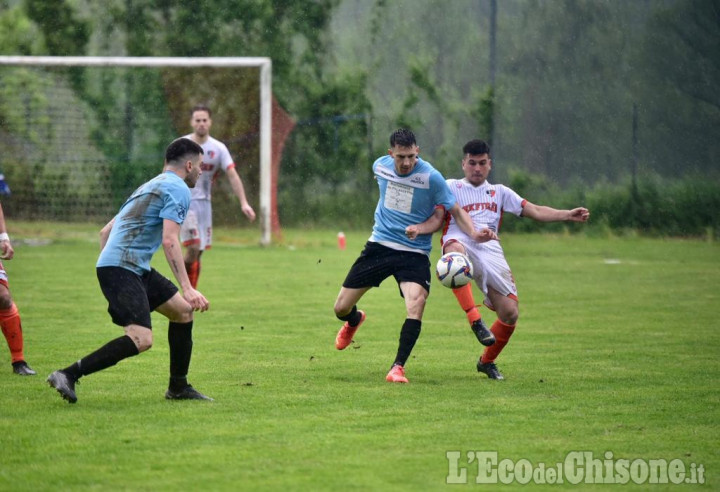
[454, 270]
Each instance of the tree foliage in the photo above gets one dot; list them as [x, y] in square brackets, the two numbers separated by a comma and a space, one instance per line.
[569, 73]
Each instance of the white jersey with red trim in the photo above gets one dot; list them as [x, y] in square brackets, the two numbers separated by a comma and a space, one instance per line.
[216, 156]
[485, 204]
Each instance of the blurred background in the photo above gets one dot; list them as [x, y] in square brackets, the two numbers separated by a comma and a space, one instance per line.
[607, 104]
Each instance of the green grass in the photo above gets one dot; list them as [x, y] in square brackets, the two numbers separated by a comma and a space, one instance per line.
[617, 356]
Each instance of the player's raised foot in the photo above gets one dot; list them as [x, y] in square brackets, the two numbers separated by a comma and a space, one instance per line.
[347, 332]
[490, 369]
[396, 375]
[21, 368]
[64, 384]
[482, 333]
[187, 393]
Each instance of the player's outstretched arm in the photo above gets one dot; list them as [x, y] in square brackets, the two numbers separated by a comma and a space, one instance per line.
[430, 226]
[466, 225]
[173, 254]
[542, 213]
[239, 190]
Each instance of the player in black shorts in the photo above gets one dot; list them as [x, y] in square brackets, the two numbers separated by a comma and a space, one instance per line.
[149, 218]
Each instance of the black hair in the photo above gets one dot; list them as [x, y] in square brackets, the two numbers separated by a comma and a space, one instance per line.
[402, 137]
[201, 107]
[476, 147]
[180, 150]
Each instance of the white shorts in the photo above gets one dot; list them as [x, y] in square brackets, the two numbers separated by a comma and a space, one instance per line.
[490, 268]
[197, 227]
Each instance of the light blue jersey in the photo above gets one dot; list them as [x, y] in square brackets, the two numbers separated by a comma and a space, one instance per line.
[137, 231]
[406, 200]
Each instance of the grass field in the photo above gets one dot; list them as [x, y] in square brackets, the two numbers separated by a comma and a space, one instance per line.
[617, 351]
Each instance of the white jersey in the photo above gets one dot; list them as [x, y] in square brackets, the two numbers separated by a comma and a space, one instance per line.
[216, 156]
[485, 204]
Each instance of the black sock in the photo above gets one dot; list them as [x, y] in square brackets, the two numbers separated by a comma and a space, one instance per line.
[180, 341]
[353, 318]
[408, 336]
[106, 356]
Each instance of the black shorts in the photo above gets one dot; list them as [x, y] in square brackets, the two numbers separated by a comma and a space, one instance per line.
[378, 262]
[132, 297]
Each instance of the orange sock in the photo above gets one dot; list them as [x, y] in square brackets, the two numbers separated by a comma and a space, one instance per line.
[193, 273]
[465, 298]
[502, 334]
[12, 329]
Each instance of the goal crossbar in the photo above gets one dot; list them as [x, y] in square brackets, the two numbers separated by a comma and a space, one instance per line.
[263, 63]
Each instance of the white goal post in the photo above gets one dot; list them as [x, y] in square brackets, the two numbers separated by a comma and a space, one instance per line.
[263, 63]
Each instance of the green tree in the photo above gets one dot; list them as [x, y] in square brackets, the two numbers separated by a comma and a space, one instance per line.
[680, 100]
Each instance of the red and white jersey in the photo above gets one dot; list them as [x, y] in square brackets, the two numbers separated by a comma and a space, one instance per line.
[216, 156]
[485, 204]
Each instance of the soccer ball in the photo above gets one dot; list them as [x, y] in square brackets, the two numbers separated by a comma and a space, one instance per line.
[454, 270]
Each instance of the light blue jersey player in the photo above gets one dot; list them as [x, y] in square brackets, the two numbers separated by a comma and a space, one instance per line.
[151, 217]
[407, 199]
[410, 191]
[137, 232]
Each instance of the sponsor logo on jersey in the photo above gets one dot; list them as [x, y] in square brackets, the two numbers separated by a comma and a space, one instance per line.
[206, 166]
[480, 206]
[418, 180]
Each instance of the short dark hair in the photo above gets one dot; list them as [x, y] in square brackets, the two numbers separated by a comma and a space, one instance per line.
[476, 147]
[402, 137]
[180, 150]
[201, 107]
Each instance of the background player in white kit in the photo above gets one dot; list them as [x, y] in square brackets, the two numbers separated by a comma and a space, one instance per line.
[486, 202]
[196, 231]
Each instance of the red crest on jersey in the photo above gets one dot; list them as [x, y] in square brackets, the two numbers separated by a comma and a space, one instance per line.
[491, 193]
[211, 153]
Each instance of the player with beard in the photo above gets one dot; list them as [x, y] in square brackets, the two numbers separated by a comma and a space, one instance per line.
[196, 231]
[486, 202]
[149, 218]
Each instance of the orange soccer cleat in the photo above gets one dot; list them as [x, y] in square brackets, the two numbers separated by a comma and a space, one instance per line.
[347, 332]
[396, 375]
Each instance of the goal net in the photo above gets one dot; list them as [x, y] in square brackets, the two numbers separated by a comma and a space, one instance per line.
[79, 134]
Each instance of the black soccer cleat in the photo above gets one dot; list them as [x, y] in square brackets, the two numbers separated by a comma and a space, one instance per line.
[490, 369]
[482, 333]
[187, 393]
[64, 384]
[21, 368]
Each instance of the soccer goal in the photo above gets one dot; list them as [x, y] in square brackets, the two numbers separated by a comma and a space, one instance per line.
[78, 134]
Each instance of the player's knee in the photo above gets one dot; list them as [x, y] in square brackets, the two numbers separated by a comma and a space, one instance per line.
[185, 316]
[416, 307]
[142, 337]
[454, 247]
[341, 309]
[6, 301]
[192, 253]
[510, 317]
